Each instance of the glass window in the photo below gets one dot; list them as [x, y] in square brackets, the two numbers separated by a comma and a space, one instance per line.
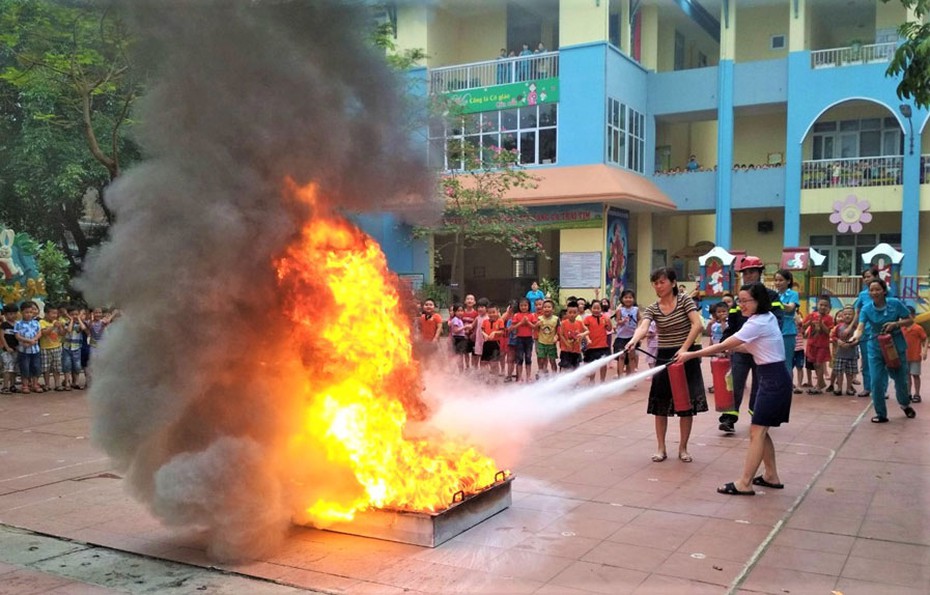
[871, 124]
[845, 240]
[849, 125]
[509, 141]
[528, 147]
[527, 117]
[547, 145]
[891, 123]
[866, 239]
[509, 120]
[548, 114]
[824, 126]
[821, 240]
[870, 143]
[890, 238]
[472, 123]
[892, 142]
[622, 116]
[489, 121]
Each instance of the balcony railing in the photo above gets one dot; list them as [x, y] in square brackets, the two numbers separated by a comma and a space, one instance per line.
[846, 173]
[841, 287]
[925, 169]
[494, 72]
[855, 54]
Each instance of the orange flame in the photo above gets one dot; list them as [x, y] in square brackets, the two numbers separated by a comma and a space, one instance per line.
[361, 382]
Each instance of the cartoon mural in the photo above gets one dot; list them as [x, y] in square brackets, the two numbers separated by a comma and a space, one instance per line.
[618, 222]
[19, 275]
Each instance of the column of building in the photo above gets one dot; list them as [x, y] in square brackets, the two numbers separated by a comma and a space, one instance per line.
[725, 124]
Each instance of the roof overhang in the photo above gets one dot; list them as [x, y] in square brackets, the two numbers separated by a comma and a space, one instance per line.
[591, 183]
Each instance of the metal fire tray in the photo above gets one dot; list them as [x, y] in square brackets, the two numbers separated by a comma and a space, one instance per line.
[430, 528]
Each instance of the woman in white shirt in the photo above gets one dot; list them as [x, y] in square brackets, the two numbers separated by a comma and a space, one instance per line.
[770, 403]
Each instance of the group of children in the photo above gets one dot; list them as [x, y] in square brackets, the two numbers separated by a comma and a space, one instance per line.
[55, 348]
[824, 339]
[501, 342]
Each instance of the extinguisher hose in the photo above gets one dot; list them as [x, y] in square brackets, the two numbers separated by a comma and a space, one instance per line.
[659, 362]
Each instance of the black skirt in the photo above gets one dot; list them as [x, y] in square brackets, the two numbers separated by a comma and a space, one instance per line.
[660, 394]
[771, 404]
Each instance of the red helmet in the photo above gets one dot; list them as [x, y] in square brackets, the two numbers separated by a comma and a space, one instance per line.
[751, 262]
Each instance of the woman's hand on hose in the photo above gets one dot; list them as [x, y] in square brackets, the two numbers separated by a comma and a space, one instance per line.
[684, 355]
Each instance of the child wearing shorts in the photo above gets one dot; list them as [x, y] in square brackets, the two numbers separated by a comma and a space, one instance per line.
[846, 361]
[50, 348]
[798, 361]
[9, 345]
[27, 336]
[917, 347]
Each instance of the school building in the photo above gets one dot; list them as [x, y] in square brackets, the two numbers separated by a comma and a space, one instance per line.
[798, 137]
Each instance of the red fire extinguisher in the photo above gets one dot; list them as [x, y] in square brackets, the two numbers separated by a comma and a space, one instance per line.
[681, 396]
[723, 383]
[889, 352]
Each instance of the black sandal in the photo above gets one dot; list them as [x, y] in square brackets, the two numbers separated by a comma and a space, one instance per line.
[730, 490]
[878, 419]
[909, 412]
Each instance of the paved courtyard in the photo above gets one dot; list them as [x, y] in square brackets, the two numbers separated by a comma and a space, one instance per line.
[591, 514]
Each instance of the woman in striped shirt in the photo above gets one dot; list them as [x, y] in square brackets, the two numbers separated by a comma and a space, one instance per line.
[679, 325]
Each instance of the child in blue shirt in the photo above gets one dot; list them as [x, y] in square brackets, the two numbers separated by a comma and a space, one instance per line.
[27, 333]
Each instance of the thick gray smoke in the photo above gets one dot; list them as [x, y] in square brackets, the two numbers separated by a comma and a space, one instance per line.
[186, 387]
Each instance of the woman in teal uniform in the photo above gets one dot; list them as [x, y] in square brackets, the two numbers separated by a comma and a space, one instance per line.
[885, 315]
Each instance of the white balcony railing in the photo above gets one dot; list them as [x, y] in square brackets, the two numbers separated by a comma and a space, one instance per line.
[846, 173]
[494, 72]
[855, 54]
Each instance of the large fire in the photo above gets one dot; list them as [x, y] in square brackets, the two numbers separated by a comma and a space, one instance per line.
[360, 381]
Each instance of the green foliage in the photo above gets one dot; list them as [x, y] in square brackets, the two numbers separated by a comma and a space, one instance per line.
[912, 58]
[439, 293]
[66, 89]
[477, 208]
[382, 36]
[54, 266]
[550, 288]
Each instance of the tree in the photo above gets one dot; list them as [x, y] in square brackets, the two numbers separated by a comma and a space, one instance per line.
[912, 58]
[477, 208]
[67, 86]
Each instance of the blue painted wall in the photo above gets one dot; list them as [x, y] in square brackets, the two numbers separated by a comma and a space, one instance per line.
[723, 216]
[404, 254]
[758, 188]
[695, 191]
[682, 91]
[762, 82]
[582, 104]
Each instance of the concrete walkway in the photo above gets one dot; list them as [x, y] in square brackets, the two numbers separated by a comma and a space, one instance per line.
[591, 513]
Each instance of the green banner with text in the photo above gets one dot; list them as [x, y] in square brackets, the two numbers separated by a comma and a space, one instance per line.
[508, 96]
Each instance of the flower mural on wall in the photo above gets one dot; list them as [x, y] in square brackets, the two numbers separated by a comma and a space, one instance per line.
[850, 214]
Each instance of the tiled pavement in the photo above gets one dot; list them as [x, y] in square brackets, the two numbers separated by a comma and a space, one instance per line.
[591, 512]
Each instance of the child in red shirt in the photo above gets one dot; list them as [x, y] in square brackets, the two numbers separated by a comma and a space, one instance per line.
[598, 327]
[524, 323]
[495, 334]
[570, 332]
[817, 326]
[917, 347]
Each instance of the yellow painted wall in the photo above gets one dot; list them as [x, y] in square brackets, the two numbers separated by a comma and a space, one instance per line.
[649, 37]
[581, 240]
[756, 27]
[820, 225]
[767, 246]
[755, 136]
[582, 21]
[482, 35]
[442, 42]
[665, 45]
[704, 142]
[923, 263]
[455, 38]
[881, 198]
[889, 15]
[701, 228]
[412, 27]
[925, 202]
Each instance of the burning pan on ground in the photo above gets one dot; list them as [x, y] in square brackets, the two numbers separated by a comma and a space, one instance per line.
[431, 528]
